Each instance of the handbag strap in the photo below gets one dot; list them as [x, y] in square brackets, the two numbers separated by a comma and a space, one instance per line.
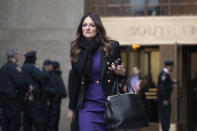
[116, 86]
[132, 89]
[116, 89]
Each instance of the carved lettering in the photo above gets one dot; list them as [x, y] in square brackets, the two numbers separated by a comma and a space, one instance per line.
[151, 31]
[189, 30]
[194, 30]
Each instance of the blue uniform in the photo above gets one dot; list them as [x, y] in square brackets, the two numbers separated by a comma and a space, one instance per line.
[164, 93]
[55, 101]
[12, 84]
[35, 112]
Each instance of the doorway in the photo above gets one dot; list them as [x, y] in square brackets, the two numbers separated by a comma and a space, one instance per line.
[188, 89]
[147, 59]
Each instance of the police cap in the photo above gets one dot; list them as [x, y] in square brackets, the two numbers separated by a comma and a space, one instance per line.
[56, 64]
[30, 54]
[168, 63]
[47, 62]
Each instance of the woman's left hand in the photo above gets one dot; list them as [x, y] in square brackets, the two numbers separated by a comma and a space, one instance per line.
[119, 69]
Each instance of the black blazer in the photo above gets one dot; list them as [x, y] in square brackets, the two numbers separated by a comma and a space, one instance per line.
[106, 78]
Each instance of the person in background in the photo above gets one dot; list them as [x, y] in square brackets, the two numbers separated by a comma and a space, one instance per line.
[133, 85]
[62, 93]
[164, 93]
[49, 86]
[48, 91]
[134, 81]
[12, 84]
[33, 110]
[55, 100]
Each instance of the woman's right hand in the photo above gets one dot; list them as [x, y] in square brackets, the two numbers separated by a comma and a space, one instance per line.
[119, 69]
[71, 115]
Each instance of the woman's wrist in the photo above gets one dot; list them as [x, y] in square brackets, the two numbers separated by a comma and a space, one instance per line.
[70, 110]
[120, 71]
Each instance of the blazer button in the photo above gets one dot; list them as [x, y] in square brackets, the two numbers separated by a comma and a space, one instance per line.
[108, 81]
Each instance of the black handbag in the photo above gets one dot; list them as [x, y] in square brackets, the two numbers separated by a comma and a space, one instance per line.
[124, 111]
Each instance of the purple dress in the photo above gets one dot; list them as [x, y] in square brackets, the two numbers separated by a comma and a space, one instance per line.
[91, 116]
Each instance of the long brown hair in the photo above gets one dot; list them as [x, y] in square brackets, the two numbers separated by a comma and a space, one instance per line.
[101, 36]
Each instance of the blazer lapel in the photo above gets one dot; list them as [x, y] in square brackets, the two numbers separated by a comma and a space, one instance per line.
[102, 64]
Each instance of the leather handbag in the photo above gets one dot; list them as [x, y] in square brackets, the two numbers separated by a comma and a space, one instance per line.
[124, 111]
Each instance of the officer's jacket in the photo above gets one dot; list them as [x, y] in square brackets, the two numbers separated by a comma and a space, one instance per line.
[76, 94]
[164, 86]
[11, 80]
[61, 90]
[33, 75]
[50, 85]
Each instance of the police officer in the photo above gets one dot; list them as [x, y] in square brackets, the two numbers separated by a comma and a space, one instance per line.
[12, 83]
[34, 110]
[55, 101]
[49, 85]
[62, 93]
[164, 93]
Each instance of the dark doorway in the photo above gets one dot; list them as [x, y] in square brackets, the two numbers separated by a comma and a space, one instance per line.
[188, 99]
[147, 59]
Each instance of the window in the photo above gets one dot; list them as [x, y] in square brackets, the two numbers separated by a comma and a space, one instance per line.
[142, 7]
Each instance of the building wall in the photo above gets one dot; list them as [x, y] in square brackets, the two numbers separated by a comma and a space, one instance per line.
[47, 26]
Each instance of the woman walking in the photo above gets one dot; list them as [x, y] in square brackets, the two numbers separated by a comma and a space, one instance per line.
[92, 57]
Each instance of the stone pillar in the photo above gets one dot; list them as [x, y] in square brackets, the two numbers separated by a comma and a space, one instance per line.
[47, 26]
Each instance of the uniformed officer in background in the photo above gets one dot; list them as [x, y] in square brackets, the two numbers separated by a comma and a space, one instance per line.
[49, 87]
[164, 94]
[12, 84]
[55, 101]
[62, 93]
[34, 111]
